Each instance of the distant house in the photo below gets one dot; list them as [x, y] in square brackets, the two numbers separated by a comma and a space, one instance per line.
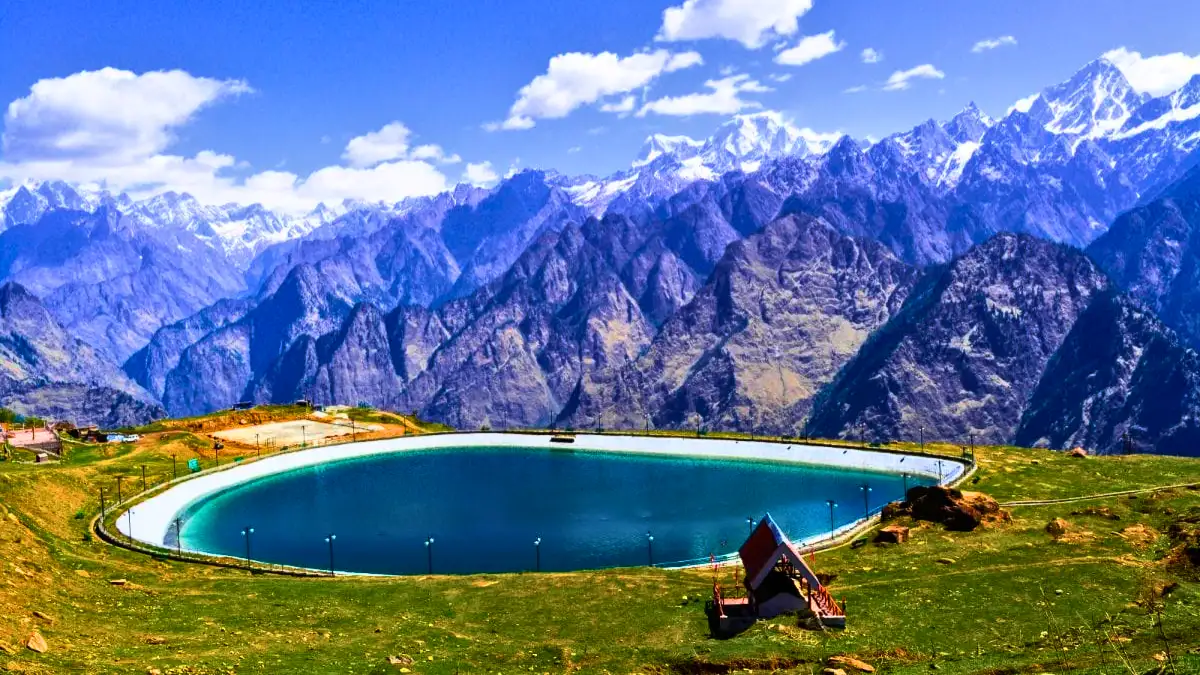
[777, 581]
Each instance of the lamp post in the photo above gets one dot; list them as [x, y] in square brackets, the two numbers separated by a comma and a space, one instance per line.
[647, 424]
[866, 491]
[922, 439]
[750, 524]
[257, 446]
[537, 553]
[129, 522]
[940, 475]
[429, 553]
[304, 435]
[971, 437]
[143, 478]
[102, 502]
[329, 540]
[179, 536]
[650, 548]
[119, 498]
[174, 473]
[246, 534]
[832, 528]
[906, 485]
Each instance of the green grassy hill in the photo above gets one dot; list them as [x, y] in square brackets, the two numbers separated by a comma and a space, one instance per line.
[1009, 598]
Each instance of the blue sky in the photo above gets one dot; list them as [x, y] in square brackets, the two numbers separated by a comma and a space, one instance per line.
[285, 89]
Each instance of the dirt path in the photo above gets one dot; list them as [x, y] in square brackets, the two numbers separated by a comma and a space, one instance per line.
[1105, 495]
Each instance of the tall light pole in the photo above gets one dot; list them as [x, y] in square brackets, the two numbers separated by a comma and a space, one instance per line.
[246, 534]
[832, 528]
[304, 435]
[906, 485]
[179, 536]
[143, 478]
[650, 548]
[429, 553]
[329, 540]
[257, 446]
[940, 475]
[101, 502]
[750, 524]
[866, 492]
[922, 438]
[119, 498]
[174, 473]
[537, 552]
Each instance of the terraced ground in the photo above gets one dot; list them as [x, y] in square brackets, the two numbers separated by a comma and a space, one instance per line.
[1114, 594]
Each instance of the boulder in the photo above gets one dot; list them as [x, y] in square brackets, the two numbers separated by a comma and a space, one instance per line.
[1079, 453]
[37, 643]
[833, 671]
[958, 511]
[1058, 527]
[892, 534]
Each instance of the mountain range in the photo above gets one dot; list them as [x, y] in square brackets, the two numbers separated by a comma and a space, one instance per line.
[944, 280]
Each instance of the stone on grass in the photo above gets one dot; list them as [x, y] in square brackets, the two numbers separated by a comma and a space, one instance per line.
[1079, 453]
[851, 662]
[958, 511]
[833, 671]
[118, 582]
[37, 643]
[892, 534]
[1057, 527]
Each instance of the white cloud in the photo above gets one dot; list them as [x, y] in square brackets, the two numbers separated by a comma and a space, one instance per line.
[993, 43]
[781, 77]
[724, 99]
[750, 22]
[574, 150]
[858, 89]
[114, 129]
[1155, 75]
[481, 174]
[625, 105]
[1024, 104]
[901, 78]
[390, 142]
[107, 112]
[870, 55]
[577, 79]
[809, 49]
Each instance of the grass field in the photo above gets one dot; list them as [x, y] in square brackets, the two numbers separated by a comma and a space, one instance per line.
[1006, 599]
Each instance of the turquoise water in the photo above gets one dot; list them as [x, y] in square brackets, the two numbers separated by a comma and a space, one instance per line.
[485, 507]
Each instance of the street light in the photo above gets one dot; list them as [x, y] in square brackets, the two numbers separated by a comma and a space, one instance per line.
[940, 472]
[922, 439]
[174, 474]
[650, 548]
[906, 485]
[329, 540]
[246, 533]
[179, 536]
[750, 523]
[429, 553]
[537, 551]
[143, 478]
[119, 498]
[832, 528]
[866, 491]
[304, 435]
[257, 446]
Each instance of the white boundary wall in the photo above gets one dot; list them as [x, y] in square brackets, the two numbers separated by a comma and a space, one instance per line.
[150, 521]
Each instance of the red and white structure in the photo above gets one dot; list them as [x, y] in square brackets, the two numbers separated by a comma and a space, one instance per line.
[777, 581]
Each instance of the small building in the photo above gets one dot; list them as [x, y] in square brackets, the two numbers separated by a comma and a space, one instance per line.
[777, 581]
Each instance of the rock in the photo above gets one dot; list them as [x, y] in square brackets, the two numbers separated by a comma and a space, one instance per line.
[1078, 453]
[1057, 527]
[37, 643]
[851, 662]
[118, 582]
[43, 616]
[892, 534]
[153, 671]
[833, 671]
[945, 561]
[83, 573]
[155, 640]
[958, 511]
[400, 660]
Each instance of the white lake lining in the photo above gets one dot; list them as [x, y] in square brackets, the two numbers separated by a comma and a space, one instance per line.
[150, 521]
